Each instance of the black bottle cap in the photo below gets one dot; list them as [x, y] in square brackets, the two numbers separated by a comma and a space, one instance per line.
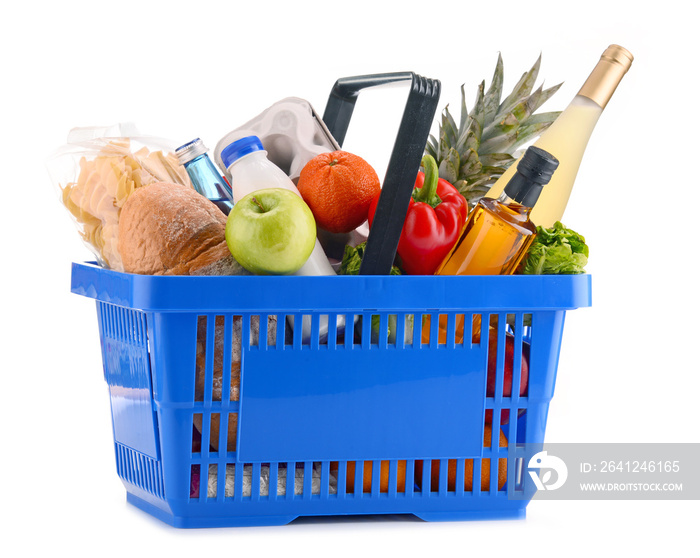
[538, 165]
[535, 169]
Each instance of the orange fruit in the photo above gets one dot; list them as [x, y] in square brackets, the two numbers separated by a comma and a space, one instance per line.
[367, 476]
[338, 187]
[468, 468]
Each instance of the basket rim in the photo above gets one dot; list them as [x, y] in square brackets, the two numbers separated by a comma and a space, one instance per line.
[335, 294]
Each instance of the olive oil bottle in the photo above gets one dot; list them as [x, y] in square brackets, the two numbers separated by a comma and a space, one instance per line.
[498, 232]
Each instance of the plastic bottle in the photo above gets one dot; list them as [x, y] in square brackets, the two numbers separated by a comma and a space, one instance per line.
[568, 136]
[251, 170]
[206, 178]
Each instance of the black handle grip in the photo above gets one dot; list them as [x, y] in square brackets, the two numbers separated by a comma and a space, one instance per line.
[404, 162]
[341, 101]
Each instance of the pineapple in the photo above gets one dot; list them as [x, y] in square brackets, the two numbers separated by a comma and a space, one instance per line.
[473, 155]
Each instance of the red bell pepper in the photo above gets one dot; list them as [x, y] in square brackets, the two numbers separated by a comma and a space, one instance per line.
[436, 214]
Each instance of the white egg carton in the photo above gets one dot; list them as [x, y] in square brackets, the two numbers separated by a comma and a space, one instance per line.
[291, 132]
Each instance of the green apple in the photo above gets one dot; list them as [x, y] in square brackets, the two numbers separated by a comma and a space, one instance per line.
[271, 232]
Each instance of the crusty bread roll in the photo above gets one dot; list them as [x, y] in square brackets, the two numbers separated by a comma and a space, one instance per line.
[170, 229]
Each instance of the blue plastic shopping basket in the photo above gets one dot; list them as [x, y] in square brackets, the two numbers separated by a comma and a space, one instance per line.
[255, 400]
[225, 415]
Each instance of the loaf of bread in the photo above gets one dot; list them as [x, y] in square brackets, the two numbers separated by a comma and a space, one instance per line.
[216, 391]
[170, 229]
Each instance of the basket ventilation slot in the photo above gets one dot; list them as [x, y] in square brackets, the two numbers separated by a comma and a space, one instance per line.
[140, 470]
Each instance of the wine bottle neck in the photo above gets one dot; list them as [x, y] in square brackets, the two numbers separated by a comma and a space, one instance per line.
[606, 76]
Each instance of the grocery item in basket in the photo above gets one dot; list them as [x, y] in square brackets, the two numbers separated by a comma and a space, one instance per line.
[217, 363]
[508, 365]
[96, 173]
[264, 481]
[435, 217]
[473, 150]
[568, 137]
[271, 232]
[169, 229]
[556, 250]
[499, 232]
[250, 171]
[205, 177]
[468, 468]
[291, 131]
[339, 188]
[367, 476]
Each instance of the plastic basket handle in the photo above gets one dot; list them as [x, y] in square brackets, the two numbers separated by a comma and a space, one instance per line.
[404, 162]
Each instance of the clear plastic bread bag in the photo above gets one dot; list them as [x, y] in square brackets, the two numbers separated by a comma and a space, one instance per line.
[97, 170]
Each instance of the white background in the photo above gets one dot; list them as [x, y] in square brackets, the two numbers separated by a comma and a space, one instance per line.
[628, 369]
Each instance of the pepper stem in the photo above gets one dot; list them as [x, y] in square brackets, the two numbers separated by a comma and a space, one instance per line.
[428, 193]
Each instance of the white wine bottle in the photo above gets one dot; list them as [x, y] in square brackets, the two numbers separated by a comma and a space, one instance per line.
[568, 135]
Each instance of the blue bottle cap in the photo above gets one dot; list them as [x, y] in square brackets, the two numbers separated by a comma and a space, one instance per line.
[234, 151]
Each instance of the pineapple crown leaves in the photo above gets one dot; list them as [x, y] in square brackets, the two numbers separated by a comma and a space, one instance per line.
[473, 154]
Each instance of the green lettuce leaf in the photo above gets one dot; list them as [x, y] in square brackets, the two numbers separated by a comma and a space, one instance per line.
[352, 258]
[556, 250]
